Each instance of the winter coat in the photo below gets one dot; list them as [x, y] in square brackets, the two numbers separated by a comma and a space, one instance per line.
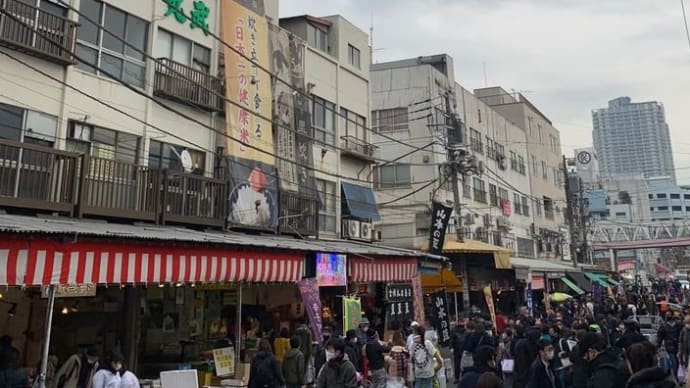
[525, 353]
[684, 343]
[354, 354]
[609, 371]
[629, 339]
[669, 336]
[128, 380]
[375, 351]
[105, 378]
[265, 363]
[13, 377]
[281, 346]
[652, 378]
[68, 374]
[305, 341]
[471, 375]
[581, 368]
[294, 367]
[337, 373]
[539, 376]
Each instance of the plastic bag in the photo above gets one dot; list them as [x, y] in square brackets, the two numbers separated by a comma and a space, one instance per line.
[681, 375]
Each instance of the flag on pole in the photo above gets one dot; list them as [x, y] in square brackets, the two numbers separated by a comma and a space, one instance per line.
[352, 313]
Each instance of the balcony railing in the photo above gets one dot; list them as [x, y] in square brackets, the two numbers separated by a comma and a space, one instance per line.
[36, 31]
[194, 199]
[298, 214]
[358, 148]
[182, 83]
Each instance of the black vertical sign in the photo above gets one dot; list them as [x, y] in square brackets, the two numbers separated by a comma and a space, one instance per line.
[439, 317]
[399, 305]
[440, 215]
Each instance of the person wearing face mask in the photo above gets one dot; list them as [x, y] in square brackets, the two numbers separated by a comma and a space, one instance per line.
[108, 375]
[631, 334]
[608, 370]
[484, 361]
[353, 349]
[338, 372]
[362, 330]
[78, 370]
[541, 373]
[320, 351]
[265, 371]
[668, 337]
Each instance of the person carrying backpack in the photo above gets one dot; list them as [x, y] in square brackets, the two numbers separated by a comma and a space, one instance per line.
[265, 370]
[293, 365]
[608, 370]
[423, 353]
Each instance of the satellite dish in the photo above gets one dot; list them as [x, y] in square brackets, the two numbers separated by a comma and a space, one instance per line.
[186, 159]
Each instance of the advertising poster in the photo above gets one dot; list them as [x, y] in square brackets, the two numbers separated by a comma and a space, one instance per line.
[253, 176]
[488, 295]
[440, 215]
[530, 302]
[309, 290]
[352, 313]
[418, 299]
[331, 269]
[440, 318]
[224, 359]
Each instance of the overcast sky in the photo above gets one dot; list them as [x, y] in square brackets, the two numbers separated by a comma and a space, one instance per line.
[570, 56]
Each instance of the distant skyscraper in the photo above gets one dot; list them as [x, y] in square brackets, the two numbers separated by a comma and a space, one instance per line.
[633, 138]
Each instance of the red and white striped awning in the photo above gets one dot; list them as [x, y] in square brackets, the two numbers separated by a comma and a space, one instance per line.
[383, 270]
[34, 263]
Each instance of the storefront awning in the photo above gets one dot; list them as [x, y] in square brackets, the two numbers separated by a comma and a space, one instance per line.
[540, 265]
[601, 279]
[36, 263]
[445, 279]
[581, 281]
[501, 255]
[382, 270]
[360, 202]
[572, 286]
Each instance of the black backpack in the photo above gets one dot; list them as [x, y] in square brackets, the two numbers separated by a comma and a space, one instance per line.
[264, 373]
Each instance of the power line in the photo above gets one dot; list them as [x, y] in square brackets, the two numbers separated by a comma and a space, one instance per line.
[685, 21]
[408, 194]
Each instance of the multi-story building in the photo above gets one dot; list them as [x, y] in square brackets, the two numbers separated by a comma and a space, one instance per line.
[667, 201]
[633, 138]
[544, 160]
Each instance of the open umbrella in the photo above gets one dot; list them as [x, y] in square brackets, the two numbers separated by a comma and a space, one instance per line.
[559, 297]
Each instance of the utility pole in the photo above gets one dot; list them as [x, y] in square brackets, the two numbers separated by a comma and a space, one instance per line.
[570, 213]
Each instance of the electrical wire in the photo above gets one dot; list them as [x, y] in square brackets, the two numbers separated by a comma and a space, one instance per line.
[685, 21]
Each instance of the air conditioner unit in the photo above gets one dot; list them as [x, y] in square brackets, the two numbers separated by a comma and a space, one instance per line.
[469, 219]
[487, 220]
[376, 236]
[351, 229]
[366, 231]
[502, 222]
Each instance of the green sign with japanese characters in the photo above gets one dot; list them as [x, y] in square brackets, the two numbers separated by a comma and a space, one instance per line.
[198, 16]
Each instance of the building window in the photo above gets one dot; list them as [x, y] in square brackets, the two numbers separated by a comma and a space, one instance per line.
[490, 148]
[353, 56]
[166, 156]
[525, 247]
[105, 50]
[323, 121]
[651, 196]
[184, 51]
[317, 38]
[538, 207]
[687, 208]
[677, 208]
[327, 205]
[525, 206]
[466, 188]
[394, 175]
[534, 166]
[548, 208]
[675, 196]
[544, 170]
[521, 165]
[493, 195]
[102, 143]
[479, 115]
[517, 204]
[479, 190]
[662, 208]
[500, 150]
[27, 126]
[502, 195]
[476, 141]
[685, 196]
[390, 120]
[352, 124]
[513, 161]
[661, 196]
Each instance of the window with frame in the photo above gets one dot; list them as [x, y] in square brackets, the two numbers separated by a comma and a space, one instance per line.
[517, 204]
[476, 141]
[352, 124]
[537, 207]
[544, 170]
[394, 175]
[181, 50]
[166, 156]
[317, 38]
[323, 121]
[98, 45]
[354, 56]
[534, 165]
[27, 126]
[102, 143]
[327, 205]
[493, 195]
[675, 196]
[513, 161]
[500, 150]
[479, 190]
[466, 188]
[502, 195]
[677, 208]
[525, 247]
[391, 120]
[525, 206]
[490, 148]
[521, 165]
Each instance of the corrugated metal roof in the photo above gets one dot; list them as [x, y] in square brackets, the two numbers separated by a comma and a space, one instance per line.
[94, 228]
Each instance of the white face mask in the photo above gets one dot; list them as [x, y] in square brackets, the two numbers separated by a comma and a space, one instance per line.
[549, 355]
[330, 356]
[117, 366]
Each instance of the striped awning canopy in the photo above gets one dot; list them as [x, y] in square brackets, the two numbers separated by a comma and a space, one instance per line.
[36, 263]
[382, 270]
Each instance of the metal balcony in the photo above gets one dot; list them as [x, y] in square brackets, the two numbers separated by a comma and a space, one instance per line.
[358, 148]
[184, 84]
[298, 214]
[32, 30]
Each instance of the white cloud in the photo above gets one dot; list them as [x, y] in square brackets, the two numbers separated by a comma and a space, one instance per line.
[574, 55]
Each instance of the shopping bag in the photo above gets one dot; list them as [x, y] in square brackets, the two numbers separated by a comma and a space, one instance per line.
[681, 375]
[507, 365]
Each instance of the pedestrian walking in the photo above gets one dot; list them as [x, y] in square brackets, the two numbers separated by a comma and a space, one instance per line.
[397, 362]
[265, 371]
[541, 373]
[642, 361]
[108, 375]
[338, 371]
[78, 370]
[294, 368]
[374, 350]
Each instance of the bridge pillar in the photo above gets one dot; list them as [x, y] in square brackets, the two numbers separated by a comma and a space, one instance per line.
[612, 259]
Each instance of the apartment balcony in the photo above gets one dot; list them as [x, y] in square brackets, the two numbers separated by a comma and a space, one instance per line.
[549, 214]
[32, 30]
[44, 179]
[298, 214]
[357, 148]
[187, 85]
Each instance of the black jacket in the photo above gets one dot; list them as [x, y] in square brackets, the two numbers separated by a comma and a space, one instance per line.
[525, 353]
[471, 375]
[629, 339]
[265, 362]
[581, 367]
[609, 371]
[375, 354]
[458, 342]
[13, 377]
[652, 378]
[354, 354]
[538, 376]
[668, 336]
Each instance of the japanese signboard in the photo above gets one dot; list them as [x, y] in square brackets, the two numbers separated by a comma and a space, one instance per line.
[528, 298]
[352, 313]
[488, 295]
[253, 197]
[398, 292]
[401, 311]
[440, 215]
[440, 318]
[71, 291]
[198, 14]
[224, 359]
[418, 297]
[309, 290]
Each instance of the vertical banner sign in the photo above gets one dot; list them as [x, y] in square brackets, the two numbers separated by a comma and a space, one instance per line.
[530, 303]
[309, 289]
[250, 152]
[440, 215]
[352, 313]
[597, 292]
[440, 318]
[488, 295]
[418, 297]
[399, 306]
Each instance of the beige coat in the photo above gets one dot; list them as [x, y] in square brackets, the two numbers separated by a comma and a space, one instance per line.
[69, 373]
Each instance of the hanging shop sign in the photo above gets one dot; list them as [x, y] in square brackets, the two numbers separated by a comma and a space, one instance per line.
[398, 292]
[309, 289]
[440, 215]
[418, 297]
[530, 303]
[352, 313]
[331, 269]
[402, 312]
[75, 291]
[488, 295]
[440, 318]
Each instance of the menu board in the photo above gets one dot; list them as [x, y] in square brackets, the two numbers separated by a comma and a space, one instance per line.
[224, 359]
